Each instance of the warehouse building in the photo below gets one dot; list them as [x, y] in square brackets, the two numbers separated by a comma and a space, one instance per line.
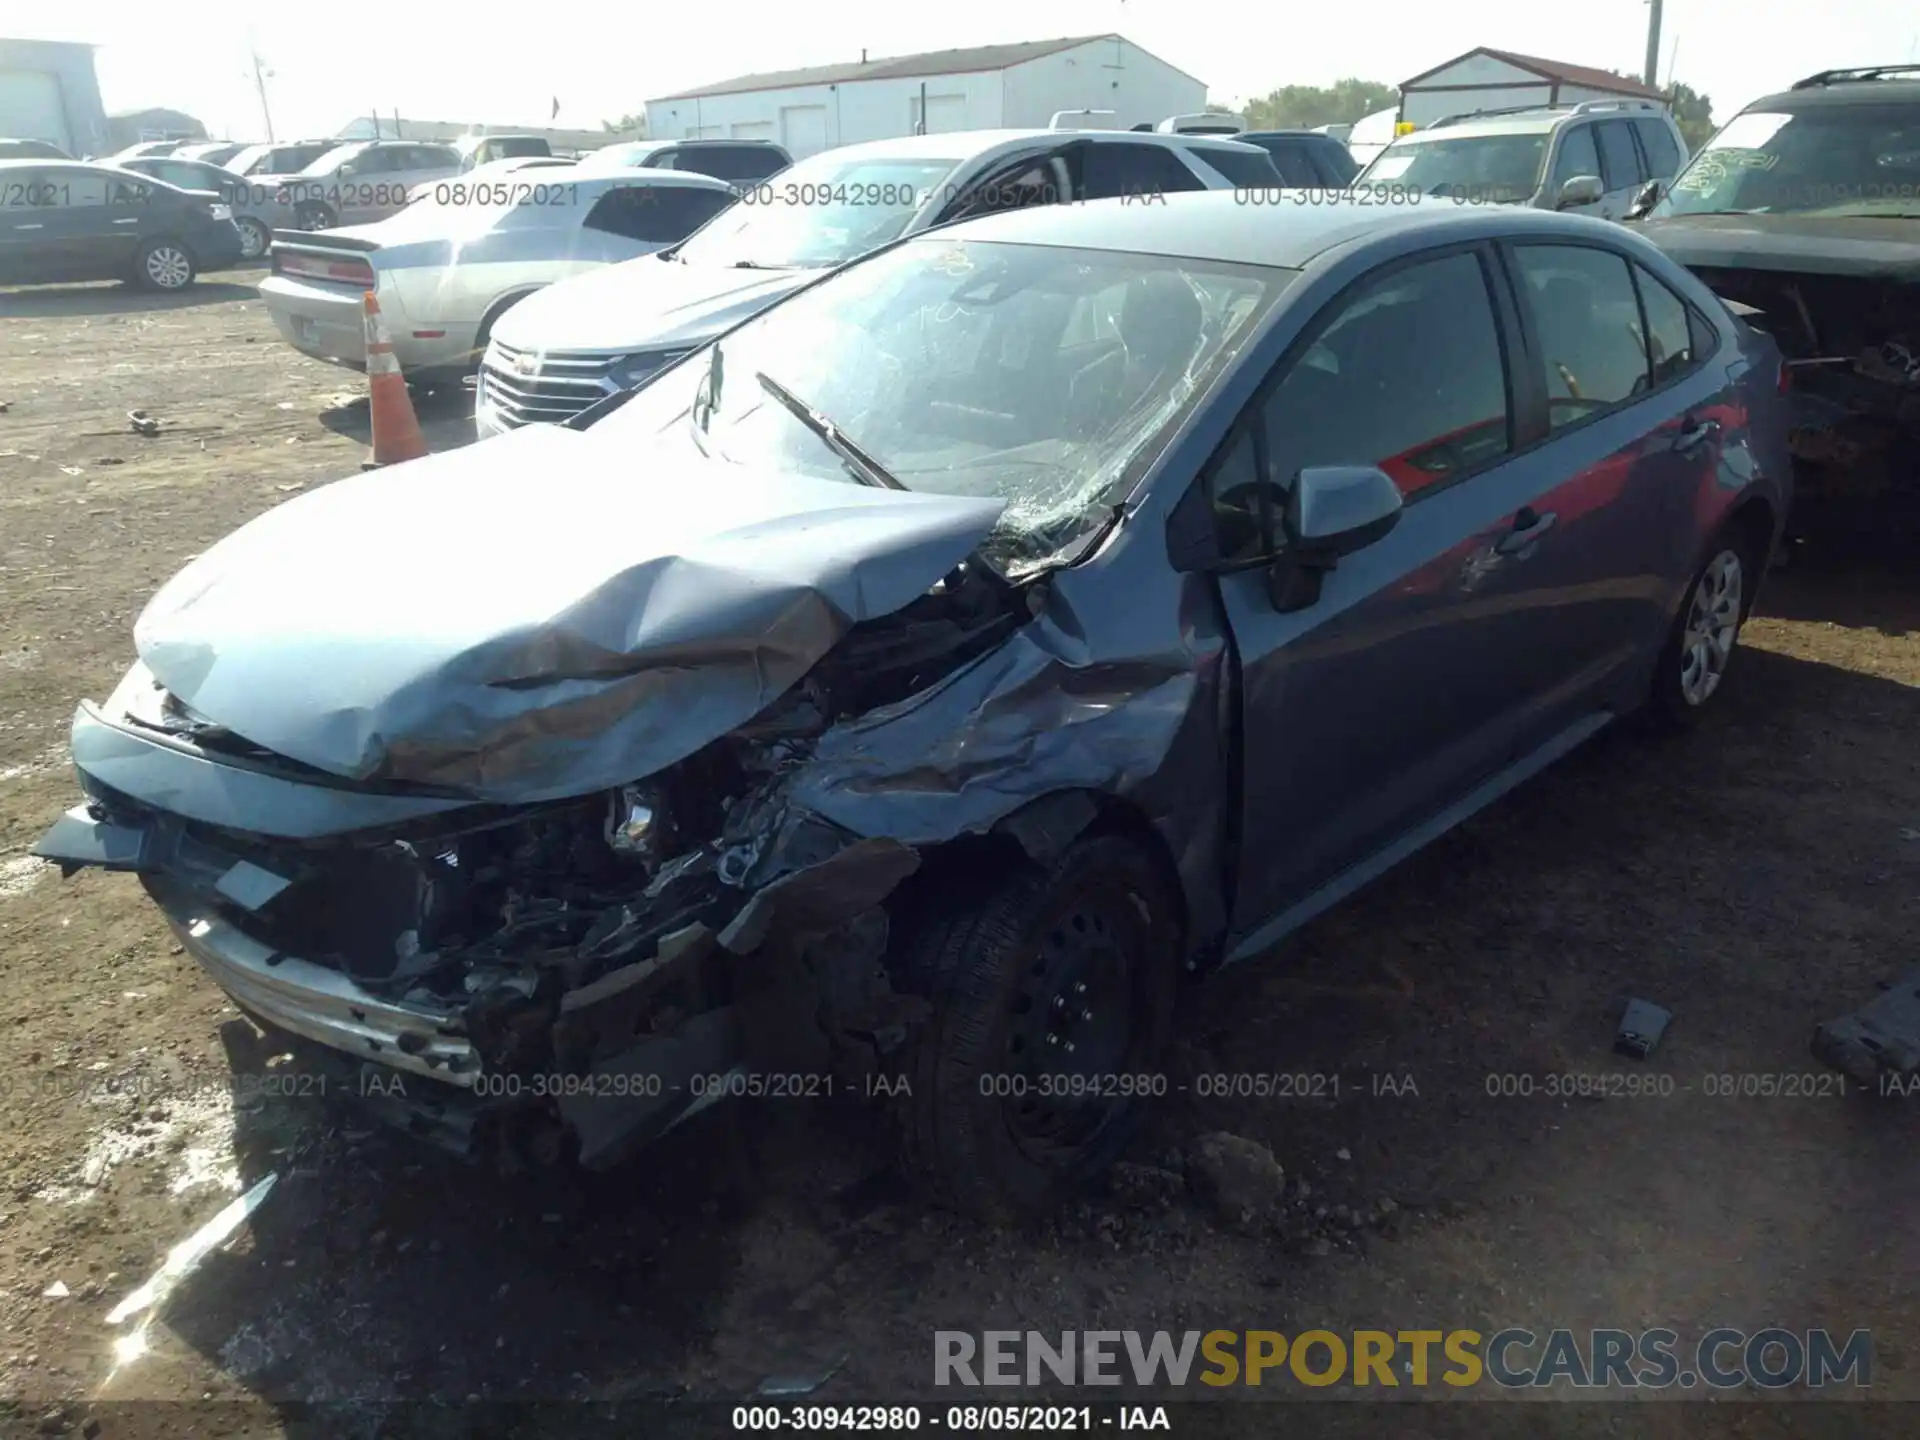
[1488, 79]
[983, 88]
[48, 92]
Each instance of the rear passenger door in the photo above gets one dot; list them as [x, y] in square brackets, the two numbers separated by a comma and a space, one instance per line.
[1621, 168]
[1391, 698]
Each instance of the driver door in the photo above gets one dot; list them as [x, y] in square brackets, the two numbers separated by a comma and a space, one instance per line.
[1368, 713]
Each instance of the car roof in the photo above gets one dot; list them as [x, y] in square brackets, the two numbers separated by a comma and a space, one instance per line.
[1283, 135]
[979, 144]
[49, 162]
[1219, 225]
[1841, 92]
[1532, 122]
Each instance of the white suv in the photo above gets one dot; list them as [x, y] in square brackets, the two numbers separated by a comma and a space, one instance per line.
[1590, 158]
[572, 345]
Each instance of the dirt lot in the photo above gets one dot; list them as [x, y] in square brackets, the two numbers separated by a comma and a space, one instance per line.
[1754, 877]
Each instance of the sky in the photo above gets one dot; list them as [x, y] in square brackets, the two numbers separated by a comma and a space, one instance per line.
[458, 62]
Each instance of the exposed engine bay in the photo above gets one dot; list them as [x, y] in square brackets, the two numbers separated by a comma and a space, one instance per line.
[616, 947]
[1853, 349]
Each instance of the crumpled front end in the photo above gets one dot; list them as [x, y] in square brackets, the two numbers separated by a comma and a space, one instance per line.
[527, 981]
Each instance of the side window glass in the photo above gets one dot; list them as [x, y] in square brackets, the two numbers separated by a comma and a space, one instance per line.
[1705, 338]
[1588, 324]
[1663, 153]
[1407, 376]
[1577, 157]
[122, 192]
[1671, 328]
[1114, 169]
[1237, 498]
[1031, 182]
[1295, 167]
[1621, 159]
[655, 214]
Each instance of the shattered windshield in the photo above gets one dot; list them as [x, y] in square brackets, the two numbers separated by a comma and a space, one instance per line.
[1831, 160]
[820, 213]
[1039, 375]
[1494, 169]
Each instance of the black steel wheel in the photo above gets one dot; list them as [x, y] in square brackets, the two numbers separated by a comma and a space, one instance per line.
[1053, 996]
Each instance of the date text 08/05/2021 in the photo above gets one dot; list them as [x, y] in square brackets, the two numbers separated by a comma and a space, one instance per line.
[959, 1419]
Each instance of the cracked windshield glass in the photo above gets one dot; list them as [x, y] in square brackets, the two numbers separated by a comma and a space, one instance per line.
[1857, 160]
[1038, 375]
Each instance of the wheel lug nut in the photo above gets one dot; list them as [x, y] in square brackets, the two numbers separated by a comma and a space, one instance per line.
[1079, 987]
[1086, 1014]
[1059, 1002]
[1069, 1047]
[1053, 1039]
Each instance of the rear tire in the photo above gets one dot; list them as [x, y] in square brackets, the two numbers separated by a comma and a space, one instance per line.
[314, 215]
[1053, 995]
[1693, 663]
[254, 237]
[164, 265]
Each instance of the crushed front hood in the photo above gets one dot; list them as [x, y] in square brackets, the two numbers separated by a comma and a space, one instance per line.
[1866, 246]
[539, 615]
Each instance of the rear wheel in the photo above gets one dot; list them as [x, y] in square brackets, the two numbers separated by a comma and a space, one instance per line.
[1693, 663]
[315, 215]
[254, 237]
[1053, 994]
[163, 265]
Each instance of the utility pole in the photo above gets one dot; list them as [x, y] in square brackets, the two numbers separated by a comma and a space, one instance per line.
[260, 86]
[1652, 76]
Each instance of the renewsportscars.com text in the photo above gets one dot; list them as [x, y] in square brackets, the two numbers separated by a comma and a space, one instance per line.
[1719, 1359]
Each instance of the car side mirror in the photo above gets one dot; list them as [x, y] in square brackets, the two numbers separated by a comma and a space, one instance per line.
[1331, 511]
[1648, 197]
[1579, 190]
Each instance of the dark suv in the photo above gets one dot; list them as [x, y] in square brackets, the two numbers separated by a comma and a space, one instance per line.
[61, 223]
[1803, 213]
[1306, 159]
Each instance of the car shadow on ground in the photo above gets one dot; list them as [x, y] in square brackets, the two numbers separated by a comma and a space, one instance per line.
[115, 298]
[378, 1272]
[445, 413]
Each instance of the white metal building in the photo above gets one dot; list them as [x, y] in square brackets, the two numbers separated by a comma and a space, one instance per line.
[987, 87]
[48, 92]
[1488, 79]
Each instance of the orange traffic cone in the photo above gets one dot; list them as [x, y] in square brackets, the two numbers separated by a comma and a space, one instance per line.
[396, 429]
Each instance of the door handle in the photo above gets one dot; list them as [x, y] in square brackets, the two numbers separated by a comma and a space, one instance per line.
[1695, 434]
[30, 227]
[130, 220]
[1527, 528]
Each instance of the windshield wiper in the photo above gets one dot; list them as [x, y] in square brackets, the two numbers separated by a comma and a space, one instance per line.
[857, 459]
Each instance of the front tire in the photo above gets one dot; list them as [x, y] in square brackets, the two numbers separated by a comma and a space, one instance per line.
[163, 265]
[314, 215]
[1053, 994]
[1693, 663]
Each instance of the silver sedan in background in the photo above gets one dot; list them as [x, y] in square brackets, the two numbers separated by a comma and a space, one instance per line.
[451, 263]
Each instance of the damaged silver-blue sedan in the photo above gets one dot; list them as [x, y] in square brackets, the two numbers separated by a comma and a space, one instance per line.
[912, 685]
